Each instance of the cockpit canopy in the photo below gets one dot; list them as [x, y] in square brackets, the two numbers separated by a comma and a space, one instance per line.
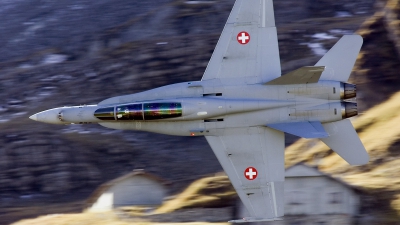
[105, 113]
[140, 111]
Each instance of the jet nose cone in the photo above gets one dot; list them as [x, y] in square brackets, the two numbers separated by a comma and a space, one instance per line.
[34, 117]
[47, 116]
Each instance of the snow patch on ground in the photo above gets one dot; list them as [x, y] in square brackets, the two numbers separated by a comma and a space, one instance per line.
[25, 66]
[77, 7]
[199, 2]
[57, 78]
[343, 14]
[323, 36]
[54, 58]
[18, 114]
[84, 132]
[341, 32]
[32, 29]
[317, 48]
[4, 120]
[45, 93]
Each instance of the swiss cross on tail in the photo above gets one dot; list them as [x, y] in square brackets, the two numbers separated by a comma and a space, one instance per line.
[243, 37]
[250, 173]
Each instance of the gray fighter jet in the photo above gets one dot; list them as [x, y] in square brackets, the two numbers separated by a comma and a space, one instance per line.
[243, 106]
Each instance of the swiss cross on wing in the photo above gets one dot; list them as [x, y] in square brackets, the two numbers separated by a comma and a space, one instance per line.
[250, 173]
[243, 37]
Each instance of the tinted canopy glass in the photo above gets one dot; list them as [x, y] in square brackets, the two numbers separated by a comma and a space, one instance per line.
[130, 112]
[155, 111]
[105, 113]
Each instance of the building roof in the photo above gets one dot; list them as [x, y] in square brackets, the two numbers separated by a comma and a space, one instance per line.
[105, 186]
[304, 170]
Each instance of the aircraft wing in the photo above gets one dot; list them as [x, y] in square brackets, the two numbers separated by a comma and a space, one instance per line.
[248, 45]
[253, 158]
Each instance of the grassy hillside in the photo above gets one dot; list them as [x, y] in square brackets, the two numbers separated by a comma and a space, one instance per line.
[207, 192]
[379, 131]
[93, 218]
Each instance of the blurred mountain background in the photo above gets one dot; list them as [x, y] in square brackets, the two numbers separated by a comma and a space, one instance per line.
[56, 53]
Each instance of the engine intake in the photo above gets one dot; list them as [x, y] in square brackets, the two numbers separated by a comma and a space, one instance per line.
[349, 109]
[347, 91]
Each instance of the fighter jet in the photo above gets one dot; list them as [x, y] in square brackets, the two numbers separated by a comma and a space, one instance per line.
[243, 106]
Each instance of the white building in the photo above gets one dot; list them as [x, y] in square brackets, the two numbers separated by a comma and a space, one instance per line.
[136, 188]
[313, 197]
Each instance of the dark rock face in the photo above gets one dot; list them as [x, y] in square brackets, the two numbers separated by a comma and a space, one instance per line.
[79, 52]
[79, 27]
[376, 70]
[290, 11]
[67, 25]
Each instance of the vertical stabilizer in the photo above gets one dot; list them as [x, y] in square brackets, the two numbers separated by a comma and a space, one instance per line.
[339, 60]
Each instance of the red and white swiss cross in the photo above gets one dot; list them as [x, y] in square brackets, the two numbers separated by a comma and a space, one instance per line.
[250, 173]
[243, 37]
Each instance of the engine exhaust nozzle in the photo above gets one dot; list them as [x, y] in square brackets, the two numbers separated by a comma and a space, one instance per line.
[347, 91]
[349, 109]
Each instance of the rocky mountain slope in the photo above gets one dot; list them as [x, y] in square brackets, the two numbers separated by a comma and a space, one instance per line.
[33, 152]
[79, 52]
[378, 63]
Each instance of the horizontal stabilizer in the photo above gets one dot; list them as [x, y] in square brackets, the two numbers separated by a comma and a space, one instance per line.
[304, 75]
[343, 139]
[302, 129]
[339, 60]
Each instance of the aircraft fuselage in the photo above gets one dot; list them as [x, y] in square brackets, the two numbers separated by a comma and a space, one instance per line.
[200, 107]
